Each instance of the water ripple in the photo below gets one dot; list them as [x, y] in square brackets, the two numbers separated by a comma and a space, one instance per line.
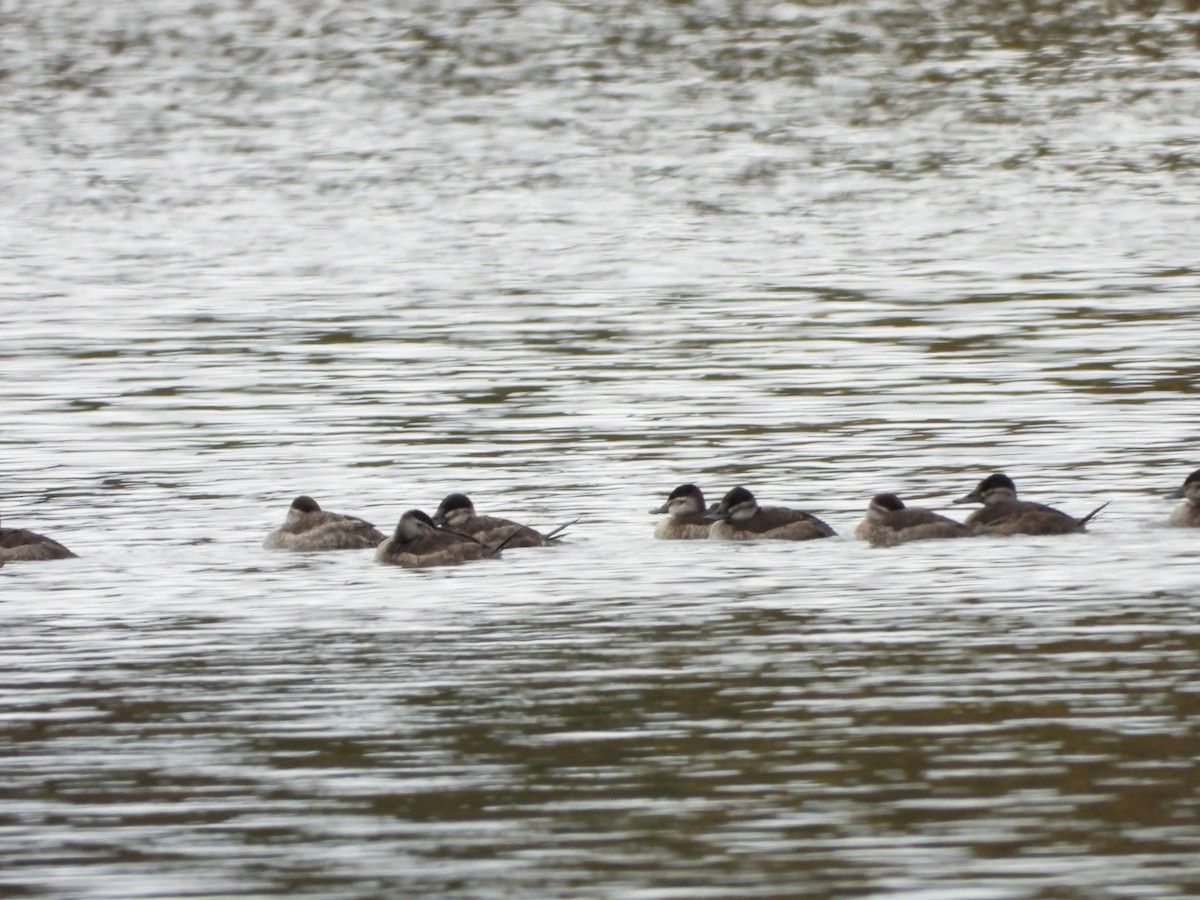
[564, 260]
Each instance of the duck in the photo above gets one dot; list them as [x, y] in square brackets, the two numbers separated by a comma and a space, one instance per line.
[686, 515]
[890, 522]
[738, 517]
[21, 544]
[457, 512]
[309, 528]
[419, 543]
[1003, 513]
[1187, 514]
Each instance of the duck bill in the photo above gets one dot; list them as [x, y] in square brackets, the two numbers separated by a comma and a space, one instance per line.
[1177, 495]
[659, 510]
[973, 497]
[719, 513]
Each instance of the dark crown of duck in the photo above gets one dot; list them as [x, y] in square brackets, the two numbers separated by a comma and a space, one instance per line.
[451, 503]
[405, 523]
[991, 483]
[305, 504]
[736, 497]
[684, 490]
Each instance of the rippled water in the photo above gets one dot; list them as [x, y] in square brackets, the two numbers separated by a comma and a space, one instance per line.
[564, 258]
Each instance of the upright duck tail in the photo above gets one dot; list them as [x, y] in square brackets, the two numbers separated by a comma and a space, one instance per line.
[558, 532]
[1092, 514]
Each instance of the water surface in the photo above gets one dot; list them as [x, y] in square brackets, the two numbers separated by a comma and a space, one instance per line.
[564, 259]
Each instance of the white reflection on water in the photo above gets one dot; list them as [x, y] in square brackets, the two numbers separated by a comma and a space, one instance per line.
[564, 261]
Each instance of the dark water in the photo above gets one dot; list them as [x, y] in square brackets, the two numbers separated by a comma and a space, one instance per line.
[564, 258]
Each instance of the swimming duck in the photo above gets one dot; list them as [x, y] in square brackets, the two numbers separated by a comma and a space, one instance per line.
[1187, 514]
[419, 543]
[457, 513]
[19, 544]
[309, 528]
[1003, 513]
[890, 522]
[740, 518]
[686, 515]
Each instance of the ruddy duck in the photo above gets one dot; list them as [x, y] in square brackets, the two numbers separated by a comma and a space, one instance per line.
[457, 512]
[686, 515]
[1003, 513]
[740, 518]
[890, 522]
[19, 544]
[1187, 514]
[309, 528]
[419, 543]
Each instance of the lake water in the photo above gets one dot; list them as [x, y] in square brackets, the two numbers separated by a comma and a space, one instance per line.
[565, 258]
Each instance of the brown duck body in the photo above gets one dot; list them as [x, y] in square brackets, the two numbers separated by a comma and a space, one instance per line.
[1003, 513]
[492, 530]
[740, 518]
[18, 544]
[775, 523]
[457, 513]
[1186, 516]
[692, 527]
[418, 543]
[308, 528]
[890, 522]
[686, 516]
[1021, 517]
